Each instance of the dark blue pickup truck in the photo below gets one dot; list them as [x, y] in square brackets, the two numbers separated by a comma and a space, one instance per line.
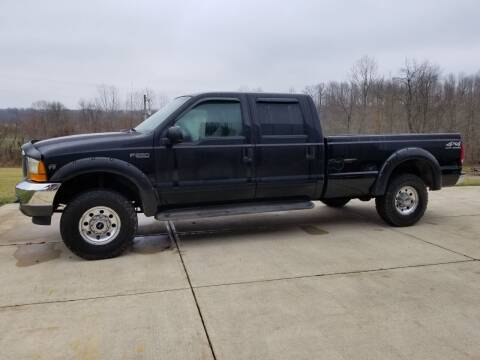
[223, 153]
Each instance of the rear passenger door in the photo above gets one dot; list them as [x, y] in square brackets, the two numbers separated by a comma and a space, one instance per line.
[284, 151]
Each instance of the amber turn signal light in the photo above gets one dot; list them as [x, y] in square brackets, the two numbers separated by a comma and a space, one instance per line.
[36, 170]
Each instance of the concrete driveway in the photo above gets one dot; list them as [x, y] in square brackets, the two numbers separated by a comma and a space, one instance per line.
[322, 283]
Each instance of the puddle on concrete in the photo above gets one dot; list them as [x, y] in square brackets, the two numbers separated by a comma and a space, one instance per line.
[32, 254]
[151, 244]
[313, 230]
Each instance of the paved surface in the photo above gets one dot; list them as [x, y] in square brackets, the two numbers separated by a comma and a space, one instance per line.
[322, 283]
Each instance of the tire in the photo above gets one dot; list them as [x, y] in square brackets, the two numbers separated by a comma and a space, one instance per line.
[410, 205]
[336, 202]
[98, 224]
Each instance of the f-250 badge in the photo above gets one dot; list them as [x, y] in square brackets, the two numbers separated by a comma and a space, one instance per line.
[140, 155]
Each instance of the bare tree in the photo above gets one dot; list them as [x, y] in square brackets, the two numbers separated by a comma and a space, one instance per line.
[344, 96]
[50, 119]
[108, 99]
[363, 76]
[419, 82]
[90, 116]
[317, 93]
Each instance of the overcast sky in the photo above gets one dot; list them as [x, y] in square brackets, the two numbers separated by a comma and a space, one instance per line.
[62, 50]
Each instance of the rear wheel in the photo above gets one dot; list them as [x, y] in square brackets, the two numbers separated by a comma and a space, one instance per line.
[336, 202]
[98, 224]
[404, 202]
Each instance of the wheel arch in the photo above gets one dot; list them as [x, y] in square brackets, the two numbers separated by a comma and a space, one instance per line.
[101, 172]
[413, 160]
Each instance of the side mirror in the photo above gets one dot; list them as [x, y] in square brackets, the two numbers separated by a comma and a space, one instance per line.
[174, 135]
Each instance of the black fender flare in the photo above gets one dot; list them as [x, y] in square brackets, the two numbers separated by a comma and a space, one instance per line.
[401, 156]
[117, 167]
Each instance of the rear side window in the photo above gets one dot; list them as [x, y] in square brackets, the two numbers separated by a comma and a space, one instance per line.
[278, 118]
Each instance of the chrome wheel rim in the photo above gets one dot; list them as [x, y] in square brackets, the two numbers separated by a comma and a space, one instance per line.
[406, 200]
[99, 225]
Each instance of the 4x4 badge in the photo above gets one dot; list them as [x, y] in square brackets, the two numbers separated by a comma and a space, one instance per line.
[453, 145]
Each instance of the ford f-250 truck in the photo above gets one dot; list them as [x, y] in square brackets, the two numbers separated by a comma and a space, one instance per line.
[225, 153]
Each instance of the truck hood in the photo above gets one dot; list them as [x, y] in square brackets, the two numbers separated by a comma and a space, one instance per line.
[89, 143]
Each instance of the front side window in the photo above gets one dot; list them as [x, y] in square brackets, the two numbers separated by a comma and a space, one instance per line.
[278, 118]
[209, 119]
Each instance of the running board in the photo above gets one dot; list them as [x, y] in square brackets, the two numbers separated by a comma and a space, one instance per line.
[232, 209]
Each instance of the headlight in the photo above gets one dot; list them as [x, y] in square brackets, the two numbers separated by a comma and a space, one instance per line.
[36, 170]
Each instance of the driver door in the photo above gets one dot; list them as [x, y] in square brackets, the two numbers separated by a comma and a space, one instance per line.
[214, 161]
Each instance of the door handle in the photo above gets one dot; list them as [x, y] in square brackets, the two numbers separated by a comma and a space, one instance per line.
[247, 155]
[310, 153]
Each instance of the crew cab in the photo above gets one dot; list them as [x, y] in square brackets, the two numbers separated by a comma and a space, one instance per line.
[224, 153]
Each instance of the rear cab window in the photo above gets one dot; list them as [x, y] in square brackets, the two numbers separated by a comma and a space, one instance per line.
[280, 119]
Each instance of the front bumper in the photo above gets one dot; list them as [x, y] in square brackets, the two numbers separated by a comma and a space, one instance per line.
[36, 199]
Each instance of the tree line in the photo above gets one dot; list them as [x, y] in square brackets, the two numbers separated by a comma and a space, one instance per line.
[45, 119]
[419, 98]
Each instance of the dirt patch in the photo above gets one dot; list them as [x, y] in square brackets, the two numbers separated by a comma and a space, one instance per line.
[32, 254]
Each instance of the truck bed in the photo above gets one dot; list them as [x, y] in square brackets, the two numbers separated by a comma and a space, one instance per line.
[354, 161]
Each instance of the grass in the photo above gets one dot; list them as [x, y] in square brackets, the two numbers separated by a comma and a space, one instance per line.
[467, 169]
[470, 181]
[8, 178]
[469, 178]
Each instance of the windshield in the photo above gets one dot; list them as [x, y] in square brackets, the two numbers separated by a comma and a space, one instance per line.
[152, 122]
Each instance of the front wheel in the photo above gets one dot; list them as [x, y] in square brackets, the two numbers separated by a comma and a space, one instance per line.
[404, 202]
[98, 224]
